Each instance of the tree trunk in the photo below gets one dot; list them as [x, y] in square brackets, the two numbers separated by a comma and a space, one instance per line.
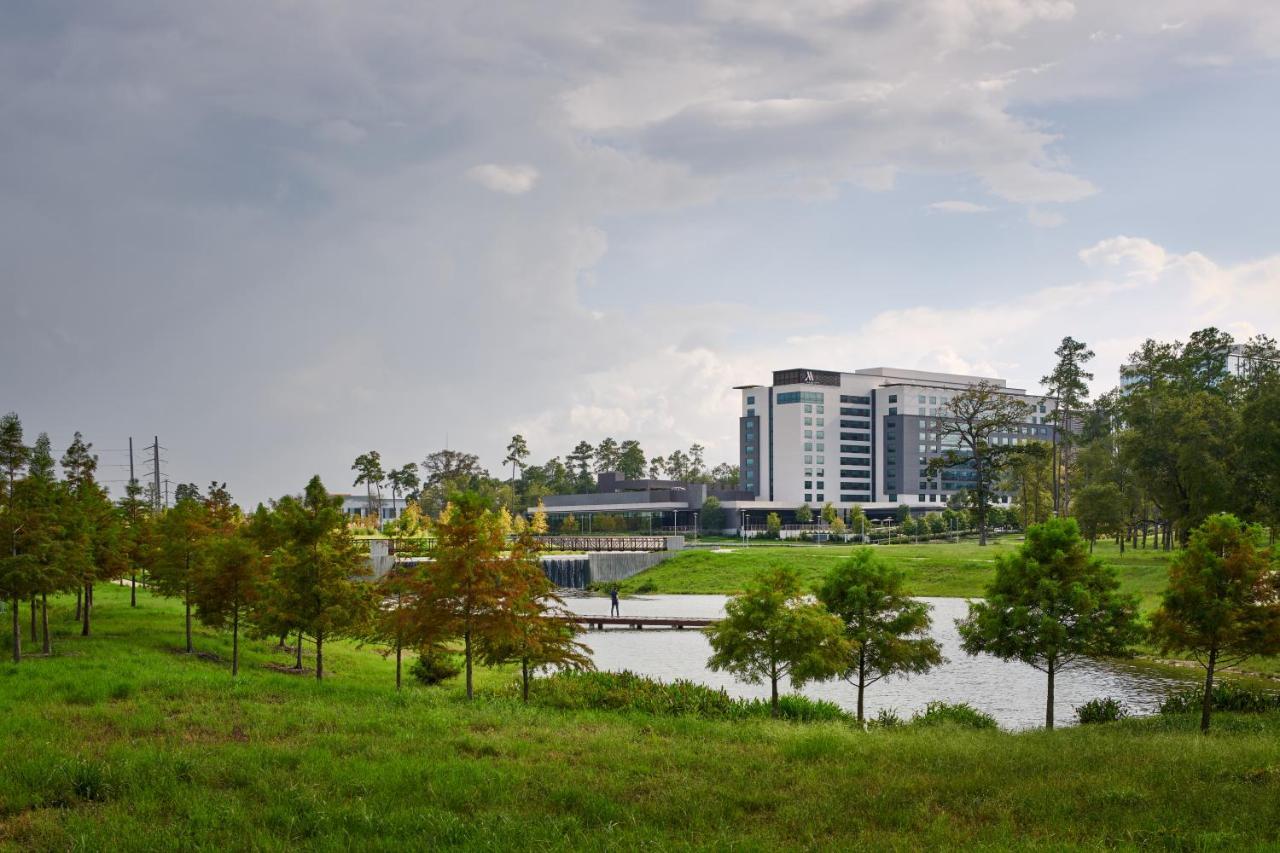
[79, 598]
[1206, 703]
[235, 643]
[1056, 492]
[773, 695]
[88, 608]
[466, 641]
[399, 654]
[33, 621]
[133, 590]
[319, 655]
[17, 633]
[297, 661]
[862, 679]
[524, 678]
[44, 623]
[1048, 705]
[186, 601]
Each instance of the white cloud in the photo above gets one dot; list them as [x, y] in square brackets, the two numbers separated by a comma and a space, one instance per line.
[959, 207]
[509, 179]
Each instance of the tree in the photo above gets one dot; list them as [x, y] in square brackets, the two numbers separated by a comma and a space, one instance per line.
[17, 569]
[187, 492]
[1068, 384]
[838, 526]
[712, 516]
[804, 514]
[183, 534]
[726, 476]
[98, 548]
[657, 467]
[42, 503]
[773, 631]
[403, 481]
[1050, 606]
[773, 525]
[580, 461]
[368, 468]
[139, 536]
[888, 631]
[448, 471]
[569, 524]
[977, 416]
[1029, 477]
[1223, 600]
[607, 455]
[320, 583]
[465, 594]
[538, 525]
[631, 460]
[1100, 509]
[536, 631]
[228, 584]
[517, 455]
[829, 513]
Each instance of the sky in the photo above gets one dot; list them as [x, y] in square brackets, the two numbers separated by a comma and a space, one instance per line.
[280, 234]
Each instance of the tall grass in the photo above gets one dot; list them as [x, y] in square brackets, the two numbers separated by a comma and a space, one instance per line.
[119, 742]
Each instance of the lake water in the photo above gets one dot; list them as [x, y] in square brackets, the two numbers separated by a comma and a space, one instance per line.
[1013, 693]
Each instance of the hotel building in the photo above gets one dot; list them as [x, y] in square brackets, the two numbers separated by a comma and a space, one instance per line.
[819, 436]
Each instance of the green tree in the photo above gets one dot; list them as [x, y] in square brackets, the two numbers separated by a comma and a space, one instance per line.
[1029, 477]
[18, 570]
[888, 631]
[580, 461]
[138, 530]
[1100, 510]
[1223, 600]
[1069, 388]
[320, 583]
[631, 460]
[829, 513]
[773, 631]
[712, 516]
[517, 455]
[183, 534]
[608, 454]
[42, 502]
[403, 481]
[1050, 606]
[569, 524]
[228, 584]
[804, 514]
[773, 525]
[368, 468]
[977, 416]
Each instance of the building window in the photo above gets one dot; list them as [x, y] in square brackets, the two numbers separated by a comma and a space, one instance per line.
[821, 410]
[808, 484]
[808, 445]
[820, 459]
[821, 447]
[808, 408]
[751, 401]
[893, 410]
[808, 460]
[893, 398]
[920, 399]
[751, 413]
[808, 433]
[808, 498]
[820, 497]
[808, 421]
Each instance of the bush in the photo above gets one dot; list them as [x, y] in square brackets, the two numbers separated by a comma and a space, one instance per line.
[627, 691]
[887, 718]
[1226, 697]
[431, 669]
[1104, 710]
[960, 714]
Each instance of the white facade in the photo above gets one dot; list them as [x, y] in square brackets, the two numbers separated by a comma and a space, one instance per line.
[864, 437]
[361, 506]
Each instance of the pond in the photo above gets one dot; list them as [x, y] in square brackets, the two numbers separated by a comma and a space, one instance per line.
[1013, 692]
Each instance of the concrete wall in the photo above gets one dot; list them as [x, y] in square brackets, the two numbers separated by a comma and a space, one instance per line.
[611, 567]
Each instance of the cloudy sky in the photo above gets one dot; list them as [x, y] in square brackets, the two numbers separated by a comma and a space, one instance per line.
[281, 233]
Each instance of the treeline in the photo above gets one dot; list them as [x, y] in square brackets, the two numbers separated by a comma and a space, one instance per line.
[429, 483]
[1051, 606]
[290, 571]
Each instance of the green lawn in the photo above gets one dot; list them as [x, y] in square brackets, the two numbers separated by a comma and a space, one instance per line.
[119, 742]
[937, 569]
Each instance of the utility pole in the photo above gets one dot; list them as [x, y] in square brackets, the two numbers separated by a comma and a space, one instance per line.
[132, 480]
[155, 461]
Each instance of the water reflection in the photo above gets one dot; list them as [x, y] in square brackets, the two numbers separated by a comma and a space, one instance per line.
[1013, 693]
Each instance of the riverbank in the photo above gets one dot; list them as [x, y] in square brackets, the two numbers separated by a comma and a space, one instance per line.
[120, 742]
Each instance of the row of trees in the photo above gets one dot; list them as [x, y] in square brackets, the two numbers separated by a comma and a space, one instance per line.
[1051, 606]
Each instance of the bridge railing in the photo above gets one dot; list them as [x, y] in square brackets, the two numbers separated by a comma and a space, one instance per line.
[603, 543]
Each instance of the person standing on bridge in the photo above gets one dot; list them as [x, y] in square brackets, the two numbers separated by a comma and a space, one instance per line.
[613, 601]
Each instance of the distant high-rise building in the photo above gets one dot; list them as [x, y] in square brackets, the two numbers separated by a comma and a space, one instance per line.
[821, 436]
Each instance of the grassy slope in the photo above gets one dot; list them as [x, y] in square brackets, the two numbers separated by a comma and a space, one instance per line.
[120, 743]
[940, 569]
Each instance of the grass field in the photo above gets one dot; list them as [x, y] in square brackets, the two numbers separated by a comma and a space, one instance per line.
[939, 569]
[119, 742]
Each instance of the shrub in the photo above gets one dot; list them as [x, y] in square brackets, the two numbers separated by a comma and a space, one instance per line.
[1104, 710]
[960, 714]
[887, 718]
[1226, 697]
[431, 669]
[627, 691]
